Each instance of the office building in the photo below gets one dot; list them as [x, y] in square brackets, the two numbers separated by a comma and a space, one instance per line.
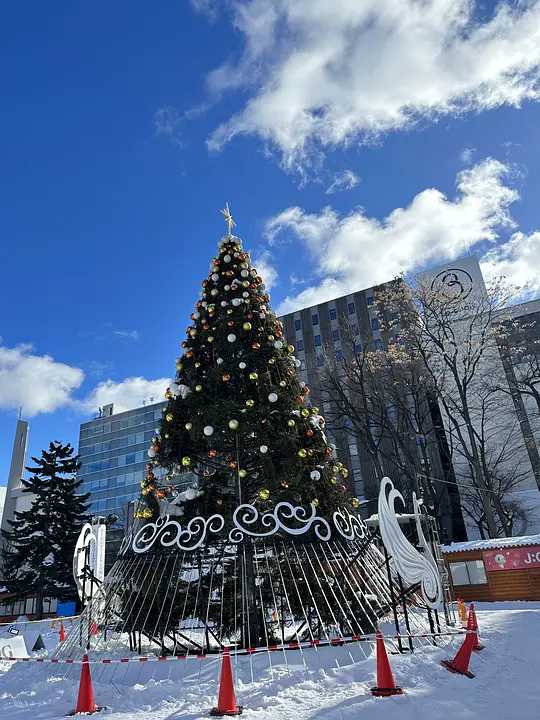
[15, 500]
[341, 327]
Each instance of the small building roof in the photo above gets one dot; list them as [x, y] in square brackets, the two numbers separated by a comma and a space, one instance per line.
[494, 544]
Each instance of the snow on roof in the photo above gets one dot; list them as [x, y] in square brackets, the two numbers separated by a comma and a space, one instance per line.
[491, 544]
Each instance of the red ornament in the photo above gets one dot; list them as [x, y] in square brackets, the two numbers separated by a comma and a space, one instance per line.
[309, 432]
[256, 346]
[212, 453]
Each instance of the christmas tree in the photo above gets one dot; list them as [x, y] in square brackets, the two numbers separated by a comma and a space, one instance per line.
[39, 557]
[246, 532]
[238, 417]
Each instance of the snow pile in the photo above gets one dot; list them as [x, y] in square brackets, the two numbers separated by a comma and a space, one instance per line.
[323, 684]
[519, 541]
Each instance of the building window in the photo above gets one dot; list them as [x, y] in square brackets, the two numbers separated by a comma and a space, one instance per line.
[315, 319]
[374, 324]
[469, 572]
[298, 324]
[317, 341]
[351, 308]
[300, 345]
[332, 313]
[335, 335]
[370, 299]
[358, 347]
[130, 459]
[320, 361]
[339, 355]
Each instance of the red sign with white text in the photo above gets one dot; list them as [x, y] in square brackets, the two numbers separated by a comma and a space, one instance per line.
[516, 558]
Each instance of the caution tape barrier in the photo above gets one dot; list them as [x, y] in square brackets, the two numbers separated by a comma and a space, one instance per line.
[293, 645]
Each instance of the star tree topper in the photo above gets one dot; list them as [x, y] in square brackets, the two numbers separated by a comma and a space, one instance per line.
[226, 212]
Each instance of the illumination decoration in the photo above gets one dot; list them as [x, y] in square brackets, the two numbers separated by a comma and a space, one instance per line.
[231, 337]
[315, 475]
[234, 424]
[272, 397]
[413, 566]
[263, 449]
[208, 430]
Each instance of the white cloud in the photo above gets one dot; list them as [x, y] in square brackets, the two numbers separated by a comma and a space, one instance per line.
[264, 264]
[128, 334]
[354, 251]
[37, 383]
[466, 155]
[518, 261]
[323, 74]
[126, 394]
[167, 124]
[210, 8]
[345, 180]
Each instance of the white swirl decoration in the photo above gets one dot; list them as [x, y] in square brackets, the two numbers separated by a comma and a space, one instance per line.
[348, 525]
[413, 566]
[170, 532]
[286, 517]
[247, 520]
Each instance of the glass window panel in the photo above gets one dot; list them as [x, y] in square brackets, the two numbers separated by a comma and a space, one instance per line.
[317, 340]
[351, 308]
[298, 324]
[459, 573]
[477, 572]
[300, 345]
[332, 313]
[315, 318]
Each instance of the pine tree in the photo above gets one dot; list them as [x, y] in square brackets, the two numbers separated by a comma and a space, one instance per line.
[238, 417]
[39, 558]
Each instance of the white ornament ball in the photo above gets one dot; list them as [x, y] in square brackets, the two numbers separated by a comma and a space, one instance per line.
[242, 365]
[224, 303]
[151, 452]
[245, 294]
[264, 449]
[302, 384]
[231, 338]
[315, 475]
[208, 430]
[244, 273]
[227, 288]
[278, 344]
[219, 361]
[227, 258]
[214, 292]
[298, 363]
[273, 397]
[236, 302]
[215, 277]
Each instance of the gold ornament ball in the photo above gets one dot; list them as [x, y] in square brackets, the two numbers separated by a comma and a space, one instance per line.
[198, 388]
[271, 338]
[282, 383]
[272, 361]
[197, 364]
[291, 423]
[305, 412]
[210, 339]
[302, 453]
[247, 326]
[315, 410]
[253, 376]
[355, 502]
[250, 403]
[186, 461]
[264, 494]
[290, 348]
[242, 473]
[344, 472]
[169, 417]
[188, 426]
[234, 424]
[315, 502]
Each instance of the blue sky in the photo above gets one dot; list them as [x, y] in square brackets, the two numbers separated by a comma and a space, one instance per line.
[352, 141]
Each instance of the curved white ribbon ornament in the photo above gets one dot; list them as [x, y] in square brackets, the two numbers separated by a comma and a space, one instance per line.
[413, 566]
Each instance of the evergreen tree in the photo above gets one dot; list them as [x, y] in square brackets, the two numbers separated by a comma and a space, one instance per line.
[238, 417]
[39, 558]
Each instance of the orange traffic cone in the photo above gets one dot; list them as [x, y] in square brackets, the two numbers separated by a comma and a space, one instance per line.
[62, 633]
[477, 644]
[227, 704]
[460, 663]
[85, 699]
[462, 611]
[386, 684]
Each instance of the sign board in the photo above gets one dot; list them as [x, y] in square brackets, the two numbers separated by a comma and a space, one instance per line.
[459, 282]
[516, 558]
[12, 646]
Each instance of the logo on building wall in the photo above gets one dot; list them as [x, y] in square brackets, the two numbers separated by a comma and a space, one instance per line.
[454, 284]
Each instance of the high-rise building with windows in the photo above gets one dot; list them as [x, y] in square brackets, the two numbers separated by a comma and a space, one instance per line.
[343, 326]
[113, 454]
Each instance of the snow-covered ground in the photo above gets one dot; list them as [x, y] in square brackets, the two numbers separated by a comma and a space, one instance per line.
[323, 684]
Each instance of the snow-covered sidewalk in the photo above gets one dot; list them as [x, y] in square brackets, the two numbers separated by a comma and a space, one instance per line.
[325, 684]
